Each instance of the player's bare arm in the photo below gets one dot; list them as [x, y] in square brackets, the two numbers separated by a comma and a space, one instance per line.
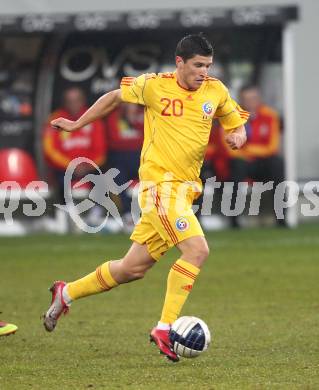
[103, 106]
[237, 137]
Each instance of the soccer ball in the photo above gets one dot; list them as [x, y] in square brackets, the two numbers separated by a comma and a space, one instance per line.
[189, 336]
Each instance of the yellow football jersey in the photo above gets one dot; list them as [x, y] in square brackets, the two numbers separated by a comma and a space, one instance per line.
[177, 123]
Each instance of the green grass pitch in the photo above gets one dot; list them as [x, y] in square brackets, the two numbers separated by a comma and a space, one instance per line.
[258, 293]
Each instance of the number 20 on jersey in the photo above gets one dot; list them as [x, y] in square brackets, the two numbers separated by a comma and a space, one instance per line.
[172, 107]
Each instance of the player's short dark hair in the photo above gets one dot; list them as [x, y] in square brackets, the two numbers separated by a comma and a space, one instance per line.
[192, 45]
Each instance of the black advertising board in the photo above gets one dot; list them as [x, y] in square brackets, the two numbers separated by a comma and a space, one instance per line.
[148, 19]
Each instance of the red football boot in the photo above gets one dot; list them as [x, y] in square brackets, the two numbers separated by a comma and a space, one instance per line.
[57, 307]
[161, 339]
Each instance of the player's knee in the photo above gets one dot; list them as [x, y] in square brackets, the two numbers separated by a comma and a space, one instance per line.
[197, 254]
[200, 253]
[203, 252]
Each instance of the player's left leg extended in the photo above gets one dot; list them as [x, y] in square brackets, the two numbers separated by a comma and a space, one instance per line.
[131, 267]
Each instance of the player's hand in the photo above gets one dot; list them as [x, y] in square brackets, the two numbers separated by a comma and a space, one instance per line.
[235, 140]
[63, 124]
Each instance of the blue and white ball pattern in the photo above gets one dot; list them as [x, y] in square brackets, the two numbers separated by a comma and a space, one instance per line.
[189, 336]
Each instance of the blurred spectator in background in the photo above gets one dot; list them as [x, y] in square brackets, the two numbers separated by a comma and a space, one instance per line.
[260, 158]
[124, 128]
[61, 147]
[8, 67]
[217, 155]
[16, 86]
[215, 165]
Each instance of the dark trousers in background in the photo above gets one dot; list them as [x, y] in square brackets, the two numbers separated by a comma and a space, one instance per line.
[127, 162]
[261, 169]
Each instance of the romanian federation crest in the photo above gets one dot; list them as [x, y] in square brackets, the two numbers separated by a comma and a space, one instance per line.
[182, 224]
[207, 108]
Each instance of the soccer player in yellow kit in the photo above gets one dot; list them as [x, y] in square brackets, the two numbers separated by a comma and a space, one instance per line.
[179, 109]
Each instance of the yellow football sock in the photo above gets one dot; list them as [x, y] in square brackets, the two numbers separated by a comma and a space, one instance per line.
[93, 283]
[179, 284]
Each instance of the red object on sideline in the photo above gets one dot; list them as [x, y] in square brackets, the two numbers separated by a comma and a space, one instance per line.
[17, 165]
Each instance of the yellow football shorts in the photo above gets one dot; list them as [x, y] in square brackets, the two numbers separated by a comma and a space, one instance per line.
[167, 217]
